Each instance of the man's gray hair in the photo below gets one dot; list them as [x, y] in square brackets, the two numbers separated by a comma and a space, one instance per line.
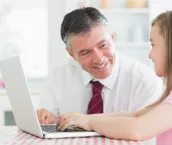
[81, 21]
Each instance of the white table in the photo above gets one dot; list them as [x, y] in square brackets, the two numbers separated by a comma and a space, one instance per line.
[14, 136]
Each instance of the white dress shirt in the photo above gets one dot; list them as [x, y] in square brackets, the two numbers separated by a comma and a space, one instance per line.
[131, 86]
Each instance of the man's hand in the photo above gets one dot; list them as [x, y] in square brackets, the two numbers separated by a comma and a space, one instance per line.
[76, 119]
[46, 117]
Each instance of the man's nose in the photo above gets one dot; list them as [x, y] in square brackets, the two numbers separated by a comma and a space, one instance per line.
[98, 56]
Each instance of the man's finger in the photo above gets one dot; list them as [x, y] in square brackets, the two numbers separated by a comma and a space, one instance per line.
[43, 116]
[38, 114]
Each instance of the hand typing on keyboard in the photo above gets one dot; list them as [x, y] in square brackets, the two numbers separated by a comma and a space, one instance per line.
[46, 117]
[52, 128]
[73, 128]
[73, 121]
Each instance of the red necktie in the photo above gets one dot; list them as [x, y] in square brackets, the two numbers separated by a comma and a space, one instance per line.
[96, 103]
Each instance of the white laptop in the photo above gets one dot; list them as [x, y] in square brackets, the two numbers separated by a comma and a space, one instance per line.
[22, 105]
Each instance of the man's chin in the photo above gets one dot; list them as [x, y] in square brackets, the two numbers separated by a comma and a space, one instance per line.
[101, 76]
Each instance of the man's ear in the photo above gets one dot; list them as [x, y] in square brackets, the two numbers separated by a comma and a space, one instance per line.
[70, 52]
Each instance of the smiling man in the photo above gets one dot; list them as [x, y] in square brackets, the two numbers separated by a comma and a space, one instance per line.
[93, 50]
[96, 80]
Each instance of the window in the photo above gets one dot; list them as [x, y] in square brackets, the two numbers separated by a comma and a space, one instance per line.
[30, 25]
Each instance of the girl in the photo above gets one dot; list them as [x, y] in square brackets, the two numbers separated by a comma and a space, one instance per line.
[151, 121]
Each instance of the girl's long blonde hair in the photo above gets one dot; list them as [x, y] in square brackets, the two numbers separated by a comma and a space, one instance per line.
[164, 22]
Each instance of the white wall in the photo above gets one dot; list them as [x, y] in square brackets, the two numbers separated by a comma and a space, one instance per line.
[24, 4]
[158, 6]
[57, 53]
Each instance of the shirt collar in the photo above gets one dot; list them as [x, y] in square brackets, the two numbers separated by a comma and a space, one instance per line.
[108, 82]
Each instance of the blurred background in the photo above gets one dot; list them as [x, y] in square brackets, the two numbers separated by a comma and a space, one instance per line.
[31, 29]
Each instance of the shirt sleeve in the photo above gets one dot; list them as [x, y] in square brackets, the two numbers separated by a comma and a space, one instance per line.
[147, 92]
[47, 99]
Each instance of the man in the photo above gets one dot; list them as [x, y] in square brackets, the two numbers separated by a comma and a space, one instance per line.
[123, 84]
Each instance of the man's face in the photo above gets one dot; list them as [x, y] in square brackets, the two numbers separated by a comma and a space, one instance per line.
[94, 51]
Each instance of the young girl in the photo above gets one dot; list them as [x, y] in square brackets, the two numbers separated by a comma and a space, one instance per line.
[155, 120]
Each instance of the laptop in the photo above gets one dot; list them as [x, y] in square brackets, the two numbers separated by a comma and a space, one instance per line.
[22, 106]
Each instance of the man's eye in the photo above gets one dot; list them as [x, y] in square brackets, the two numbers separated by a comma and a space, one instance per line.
[103, 45]
[85, 53]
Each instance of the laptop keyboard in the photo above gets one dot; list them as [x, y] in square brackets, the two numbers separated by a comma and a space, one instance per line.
[52, 129]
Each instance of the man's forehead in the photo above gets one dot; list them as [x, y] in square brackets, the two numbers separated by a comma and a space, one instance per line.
[87, 41]
[90, 38]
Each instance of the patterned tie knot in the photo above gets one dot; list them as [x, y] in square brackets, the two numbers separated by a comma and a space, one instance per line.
[97, 86]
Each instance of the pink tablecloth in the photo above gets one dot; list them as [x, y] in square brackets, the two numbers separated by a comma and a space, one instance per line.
[14, 136]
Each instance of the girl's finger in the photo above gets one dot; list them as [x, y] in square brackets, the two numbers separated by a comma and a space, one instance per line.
[62, 118]
[68, 123]
[62, 124]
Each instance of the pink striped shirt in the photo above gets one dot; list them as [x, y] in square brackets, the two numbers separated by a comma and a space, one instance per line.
[166, 137]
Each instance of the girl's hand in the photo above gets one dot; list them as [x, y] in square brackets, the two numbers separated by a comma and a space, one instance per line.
[76, 119]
